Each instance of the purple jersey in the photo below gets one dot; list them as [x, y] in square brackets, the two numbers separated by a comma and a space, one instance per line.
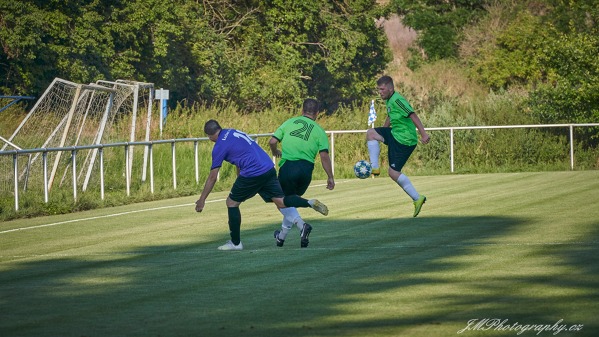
[239, 149]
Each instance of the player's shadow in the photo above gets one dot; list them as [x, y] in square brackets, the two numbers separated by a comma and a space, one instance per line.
[352, 270]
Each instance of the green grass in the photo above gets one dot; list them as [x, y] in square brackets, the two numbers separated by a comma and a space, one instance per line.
[517, 246]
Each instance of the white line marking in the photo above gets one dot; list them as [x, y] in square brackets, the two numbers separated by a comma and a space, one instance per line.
[123, 213]
[103, 216]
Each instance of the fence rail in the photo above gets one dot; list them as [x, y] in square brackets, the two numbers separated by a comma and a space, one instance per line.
[195, 141]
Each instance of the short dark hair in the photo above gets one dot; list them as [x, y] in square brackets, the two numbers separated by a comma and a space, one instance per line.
[386, 80]
[211, 127]
[310, 106]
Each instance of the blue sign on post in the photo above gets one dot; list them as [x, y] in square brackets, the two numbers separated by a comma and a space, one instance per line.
[162, 95]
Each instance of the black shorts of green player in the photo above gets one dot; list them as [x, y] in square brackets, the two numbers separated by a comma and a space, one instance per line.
[398, 154]
[295, 176]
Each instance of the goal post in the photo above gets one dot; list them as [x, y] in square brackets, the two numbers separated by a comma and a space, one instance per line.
[147, 89]
[71, 114]
[98, 140]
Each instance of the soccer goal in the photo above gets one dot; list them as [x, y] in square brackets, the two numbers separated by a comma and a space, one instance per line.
[72, 114]
[65, 115]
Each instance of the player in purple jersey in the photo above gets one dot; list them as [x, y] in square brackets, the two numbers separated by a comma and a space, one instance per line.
[257, 175]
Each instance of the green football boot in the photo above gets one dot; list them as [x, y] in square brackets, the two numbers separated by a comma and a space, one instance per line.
[418, 205]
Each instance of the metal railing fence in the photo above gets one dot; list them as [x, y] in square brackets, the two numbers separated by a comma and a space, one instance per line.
[150, 145]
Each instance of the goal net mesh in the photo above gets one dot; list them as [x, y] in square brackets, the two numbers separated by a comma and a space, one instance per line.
[70, 114]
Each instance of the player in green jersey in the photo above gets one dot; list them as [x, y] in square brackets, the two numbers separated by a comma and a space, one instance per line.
[302, 139]
[399, 134]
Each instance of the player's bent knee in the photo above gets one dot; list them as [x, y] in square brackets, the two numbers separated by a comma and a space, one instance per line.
[394, 175]
[279, 202]
[370, 134]
[232, 203]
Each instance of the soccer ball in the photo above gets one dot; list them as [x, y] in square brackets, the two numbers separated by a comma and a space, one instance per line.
[362, 169]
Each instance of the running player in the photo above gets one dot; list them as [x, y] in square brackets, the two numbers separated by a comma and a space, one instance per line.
[301, 140]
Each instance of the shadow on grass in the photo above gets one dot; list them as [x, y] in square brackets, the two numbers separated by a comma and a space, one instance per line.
[365, 277]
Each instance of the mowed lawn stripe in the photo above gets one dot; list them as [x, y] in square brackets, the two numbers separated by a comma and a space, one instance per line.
[521, 247]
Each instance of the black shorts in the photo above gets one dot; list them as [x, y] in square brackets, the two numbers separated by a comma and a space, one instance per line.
[295, 176]
[267, 185]
[398, 153]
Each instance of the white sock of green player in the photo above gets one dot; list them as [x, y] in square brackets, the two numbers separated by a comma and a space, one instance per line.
[374, 149]
[292, 215]
[285, 228]
[407, 186]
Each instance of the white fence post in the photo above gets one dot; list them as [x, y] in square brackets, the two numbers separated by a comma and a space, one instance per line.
[196, 159]
[174, 165]
[451, 148]
[333, 152]
[74, 166]
[127, 168]
[15, 164]
[151, 150]
[45, 168]
[571, 147]
[101, 151]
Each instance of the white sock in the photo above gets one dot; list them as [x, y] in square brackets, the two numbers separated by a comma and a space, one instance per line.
[407, 186]
[292, 216]
[374, 150]
[285, 228]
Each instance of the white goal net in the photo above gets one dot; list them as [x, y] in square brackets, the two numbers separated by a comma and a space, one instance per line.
[71, 114]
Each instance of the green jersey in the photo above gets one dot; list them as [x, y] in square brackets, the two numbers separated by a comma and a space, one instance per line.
[402, 126]
[301, 138]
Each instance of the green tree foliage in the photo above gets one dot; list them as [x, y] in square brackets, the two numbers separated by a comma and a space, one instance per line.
[513, 57]
[438, 22]
[570, 90]
[25, 31]
[251, 53]
[570, 93]
[550, 48]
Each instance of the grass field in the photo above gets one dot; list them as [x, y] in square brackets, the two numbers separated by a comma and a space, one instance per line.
[522, 248]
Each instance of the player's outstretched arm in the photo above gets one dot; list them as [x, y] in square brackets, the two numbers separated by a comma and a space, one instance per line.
[208, 186]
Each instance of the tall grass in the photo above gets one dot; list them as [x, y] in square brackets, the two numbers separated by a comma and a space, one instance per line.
[479, 151]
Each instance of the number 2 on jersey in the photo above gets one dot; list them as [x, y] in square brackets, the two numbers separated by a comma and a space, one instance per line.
[303, 131]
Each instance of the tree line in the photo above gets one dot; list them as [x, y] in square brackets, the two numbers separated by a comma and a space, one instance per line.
[257, 54]
[253, 53]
